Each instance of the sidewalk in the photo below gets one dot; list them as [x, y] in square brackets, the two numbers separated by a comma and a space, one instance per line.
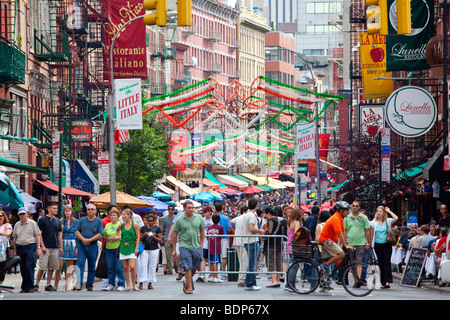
[427, 284]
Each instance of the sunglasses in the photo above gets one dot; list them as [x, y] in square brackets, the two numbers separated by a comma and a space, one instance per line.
[91, 209]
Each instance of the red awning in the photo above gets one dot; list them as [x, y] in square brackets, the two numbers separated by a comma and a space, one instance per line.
[66, 190]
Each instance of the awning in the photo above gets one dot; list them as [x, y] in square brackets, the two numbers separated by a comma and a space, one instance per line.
[242, 178]
[265, 187]
[165, 189]
[24, 167]
[68, 191]
[288, 184]
[434, 168]
[259, 180]
[183, 187]
[412, 172]
[208, 183]
[230, 181]
[210, 177]
[81, 178]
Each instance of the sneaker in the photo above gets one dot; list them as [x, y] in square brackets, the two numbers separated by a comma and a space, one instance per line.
[77, 287]
[217, 280]
[210, 279]
[200, 279]
[121, 288]
[324, 268]
[224, 277]
[104, 288]
[254, 288]
[110, 287]
[49, 287]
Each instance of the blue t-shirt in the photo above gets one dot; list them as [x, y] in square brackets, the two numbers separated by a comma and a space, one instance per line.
[88, 229]
[381, 232]
[225, 223]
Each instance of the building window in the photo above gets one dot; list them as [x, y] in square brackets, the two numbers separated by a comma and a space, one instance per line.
[323, 7]
[321, 29]
[313, 52]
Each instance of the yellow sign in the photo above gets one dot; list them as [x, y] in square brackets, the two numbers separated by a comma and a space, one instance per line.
[373, 66]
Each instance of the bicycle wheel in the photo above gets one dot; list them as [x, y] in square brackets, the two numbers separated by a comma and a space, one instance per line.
[359, 279]
[303, 277]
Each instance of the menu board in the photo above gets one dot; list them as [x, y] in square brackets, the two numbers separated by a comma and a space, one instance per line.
[414, 267]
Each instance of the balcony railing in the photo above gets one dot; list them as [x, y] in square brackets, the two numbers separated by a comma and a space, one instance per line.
[12, 63]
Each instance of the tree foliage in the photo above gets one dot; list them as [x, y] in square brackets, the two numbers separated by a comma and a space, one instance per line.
[142, 160]
[362, 162]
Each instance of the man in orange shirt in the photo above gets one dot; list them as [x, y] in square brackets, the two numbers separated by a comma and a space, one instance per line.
[332, 231]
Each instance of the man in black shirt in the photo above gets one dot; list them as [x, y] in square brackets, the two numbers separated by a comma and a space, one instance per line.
[51, 233]
[445, 219]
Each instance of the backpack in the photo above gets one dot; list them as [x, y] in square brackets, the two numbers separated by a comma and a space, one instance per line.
[3, 248]
[302, 236]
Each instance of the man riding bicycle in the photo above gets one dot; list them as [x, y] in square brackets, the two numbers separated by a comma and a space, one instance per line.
[332, 231]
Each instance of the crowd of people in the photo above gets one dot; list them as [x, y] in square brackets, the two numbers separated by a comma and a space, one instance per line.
[125, 249]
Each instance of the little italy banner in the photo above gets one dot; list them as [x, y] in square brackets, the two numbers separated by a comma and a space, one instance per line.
[128, 104]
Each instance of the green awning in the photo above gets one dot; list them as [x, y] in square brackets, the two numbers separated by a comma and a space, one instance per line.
[209, 176]
[411, 172]
[24, 167]
[265, 187]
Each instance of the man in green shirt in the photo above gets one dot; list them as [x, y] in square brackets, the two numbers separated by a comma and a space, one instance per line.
[357, 228]
[190, 231]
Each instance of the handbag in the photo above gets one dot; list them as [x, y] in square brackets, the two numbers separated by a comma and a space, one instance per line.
[391, 238]
[102, 266]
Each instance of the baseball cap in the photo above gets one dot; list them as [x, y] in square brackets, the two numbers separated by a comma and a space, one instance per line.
[207, 208]
[22, 211]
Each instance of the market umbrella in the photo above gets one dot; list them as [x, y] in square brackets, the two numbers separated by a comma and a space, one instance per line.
[159, 206]
[252, 189]
[9, 194]
[161, 196]
[195, 203]
[205, 197]
[102, 201]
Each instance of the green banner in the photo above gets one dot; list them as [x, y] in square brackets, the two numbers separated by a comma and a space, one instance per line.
[407, 52]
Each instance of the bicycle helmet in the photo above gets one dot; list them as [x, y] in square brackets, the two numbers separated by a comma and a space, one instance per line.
[342, 205]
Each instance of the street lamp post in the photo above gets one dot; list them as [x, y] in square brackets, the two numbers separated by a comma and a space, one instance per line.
[316, 105]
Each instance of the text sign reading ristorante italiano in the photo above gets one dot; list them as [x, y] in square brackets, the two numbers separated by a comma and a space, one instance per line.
[128, 104]
[411, 111]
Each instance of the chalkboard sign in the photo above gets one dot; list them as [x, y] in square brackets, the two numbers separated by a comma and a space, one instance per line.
[414, 266]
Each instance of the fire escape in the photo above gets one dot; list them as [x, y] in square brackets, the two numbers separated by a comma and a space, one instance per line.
[72, 44]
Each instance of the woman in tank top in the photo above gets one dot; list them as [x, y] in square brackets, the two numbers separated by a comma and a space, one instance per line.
[129, 240]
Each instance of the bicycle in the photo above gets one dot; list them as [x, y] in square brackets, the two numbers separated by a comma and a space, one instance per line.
[304, 275]
[12, 262]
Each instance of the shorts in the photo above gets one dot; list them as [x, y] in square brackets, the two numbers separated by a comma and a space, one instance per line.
[205, 254]
[215, 258]
[358, 254]
[330, 248]
[49, 260]
[225, 245]
[190, 259]
[127, 257]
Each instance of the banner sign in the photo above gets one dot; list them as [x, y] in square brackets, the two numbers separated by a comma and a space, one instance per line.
[56, 144]
[306, 141]
[178, 141]
[129, 52]
[373, 65]
[407, 52]
[411, 111]
[128, 104]
[371, 118]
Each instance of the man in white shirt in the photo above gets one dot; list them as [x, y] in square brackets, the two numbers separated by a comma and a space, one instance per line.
[251, 244]
[238, 243]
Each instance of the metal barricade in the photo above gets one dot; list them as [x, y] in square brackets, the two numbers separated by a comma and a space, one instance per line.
[269, 249]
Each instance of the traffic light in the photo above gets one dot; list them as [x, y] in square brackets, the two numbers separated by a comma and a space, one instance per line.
[160, 16]
[184, 9]
[377, 17]
[404, 17]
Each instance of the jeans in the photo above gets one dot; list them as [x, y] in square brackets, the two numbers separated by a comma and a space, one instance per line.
[90, 254]
[28, 259]
[253, 254]
[115, 268]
